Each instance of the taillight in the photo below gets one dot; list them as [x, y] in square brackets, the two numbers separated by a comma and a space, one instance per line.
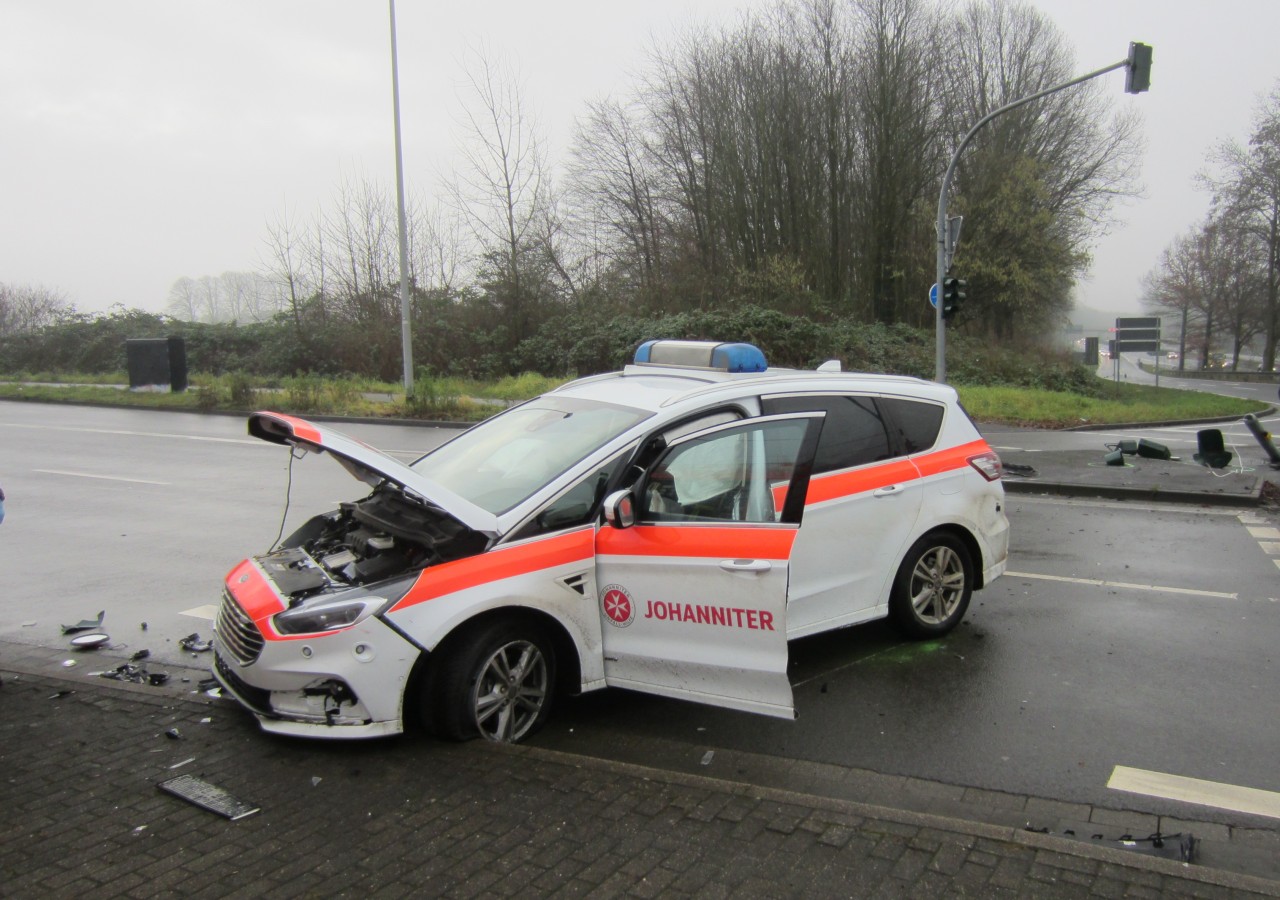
[988, 465]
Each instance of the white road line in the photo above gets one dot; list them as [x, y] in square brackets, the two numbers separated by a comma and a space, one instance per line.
[208, 611]
[100, 477]
[1271, 548]
[161, 434]
[1193, 790]
[1263, 533]
[1096, 582]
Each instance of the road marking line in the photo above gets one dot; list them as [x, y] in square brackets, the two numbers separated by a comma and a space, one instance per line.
[1097, 582]
[1262, 533]
[111, 477]
[208, 611]
[1194, 790]
[1271, 548]
[161, 434]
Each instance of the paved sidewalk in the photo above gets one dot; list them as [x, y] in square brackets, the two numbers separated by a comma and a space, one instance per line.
[81, 759]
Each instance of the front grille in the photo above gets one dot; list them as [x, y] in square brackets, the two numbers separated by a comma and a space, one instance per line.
[236, 632]
[256, 699]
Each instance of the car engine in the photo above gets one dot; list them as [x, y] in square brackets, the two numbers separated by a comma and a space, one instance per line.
[385, 535]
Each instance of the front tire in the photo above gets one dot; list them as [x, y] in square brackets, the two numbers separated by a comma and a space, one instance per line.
[932, 588]
[497, 683]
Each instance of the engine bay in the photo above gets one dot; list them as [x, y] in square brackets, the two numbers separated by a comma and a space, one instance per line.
[384, 535]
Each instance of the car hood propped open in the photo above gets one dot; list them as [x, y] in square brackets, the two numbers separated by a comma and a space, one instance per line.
[369, 465]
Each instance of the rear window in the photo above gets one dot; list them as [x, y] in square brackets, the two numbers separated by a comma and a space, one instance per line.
[917, 423]
[855, 432]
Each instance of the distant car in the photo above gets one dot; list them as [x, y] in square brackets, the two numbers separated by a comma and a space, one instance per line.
[1173, 354]
[667, 528]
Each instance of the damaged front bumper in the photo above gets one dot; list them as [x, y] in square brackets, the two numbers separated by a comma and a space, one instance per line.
[345, 684]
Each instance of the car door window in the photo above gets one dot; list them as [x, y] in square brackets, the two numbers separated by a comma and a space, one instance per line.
[726, 476]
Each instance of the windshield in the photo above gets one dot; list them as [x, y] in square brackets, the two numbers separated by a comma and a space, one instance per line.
[502, 462]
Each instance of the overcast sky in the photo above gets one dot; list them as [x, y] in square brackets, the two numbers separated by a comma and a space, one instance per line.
[146, 140]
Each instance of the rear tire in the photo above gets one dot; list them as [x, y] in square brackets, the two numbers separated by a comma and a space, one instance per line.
[932, 588]
[497, 683]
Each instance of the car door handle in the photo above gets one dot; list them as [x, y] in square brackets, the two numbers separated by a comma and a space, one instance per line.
[746, 565]
[888, 491]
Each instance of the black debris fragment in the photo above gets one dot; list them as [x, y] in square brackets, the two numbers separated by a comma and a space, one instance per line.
[193, 643]
[60, 694]
[136, 674]
[207, 684]
[173, 734]
[140, 655]
[85, 624]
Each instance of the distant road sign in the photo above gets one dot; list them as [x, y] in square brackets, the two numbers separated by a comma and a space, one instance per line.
[1140, 322]
[1137, 346]
[1137, 334]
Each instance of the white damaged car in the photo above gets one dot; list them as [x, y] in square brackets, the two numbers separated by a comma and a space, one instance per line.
[667, 528]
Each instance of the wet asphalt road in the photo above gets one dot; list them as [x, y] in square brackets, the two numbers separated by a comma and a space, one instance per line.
[1052, 681]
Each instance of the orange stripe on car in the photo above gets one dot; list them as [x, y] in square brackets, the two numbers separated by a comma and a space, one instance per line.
[253, 591]
[735, 542]
[844, 484]
[953, 458]
[505, 562]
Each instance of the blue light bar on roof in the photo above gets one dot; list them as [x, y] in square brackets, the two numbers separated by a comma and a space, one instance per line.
[702, 355]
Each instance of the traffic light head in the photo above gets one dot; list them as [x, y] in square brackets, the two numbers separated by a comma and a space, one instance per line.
[1138, 75]
[953, 294]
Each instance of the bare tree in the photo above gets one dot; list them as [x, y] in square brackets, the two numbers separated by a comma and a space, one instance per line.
[503, 190]
[183, 303]
[24, 307]
[1247, 186]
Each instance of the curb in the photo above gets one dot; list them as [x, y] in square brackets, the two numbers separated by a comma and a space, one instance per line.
[1253, 498]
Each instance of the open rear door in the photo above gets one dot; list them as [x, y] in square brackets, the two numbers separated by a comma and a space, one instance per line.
[693, 595]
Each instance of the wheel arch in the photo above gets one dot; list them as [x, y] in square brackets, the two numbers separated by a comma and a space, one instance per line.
[568, 667]
[966, 537]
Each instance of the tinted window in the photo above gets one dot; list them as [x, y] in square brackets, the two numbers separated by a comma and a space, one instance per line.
[855, 433]
[917, 423]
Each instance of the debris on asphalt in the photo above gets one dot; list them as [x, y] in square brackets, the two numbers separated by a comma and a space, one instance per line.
[173, 734]
[1018, 469]
[707, 757]
[207, 796]
[68, 663]
[193, 643]
[60, 694]
[315, 780]
[179, 765]
[85, 624]
[136, 675]
[144, 626]
[141, 654]
[91, 641]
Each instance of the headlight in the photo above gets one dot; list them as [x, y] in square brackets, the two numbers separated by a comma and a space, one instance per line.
[328, 615]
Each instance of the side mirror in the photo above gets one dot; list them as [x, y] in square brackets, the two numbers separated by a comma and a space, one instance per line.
[620, 509]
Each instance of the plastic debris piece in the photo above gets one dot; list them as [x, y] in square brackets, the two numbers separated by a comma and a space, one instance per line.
[68, 663]
[206, 720]
[173, 734]
[91, 641]
[207, 796]
[179, 765]
[315, 780]
[207, 684]
[140, 829]
[155, 679]
[141, 654]
[85, 624]
[28, 624]
[707, 757]
[193, 643]
[60, 694]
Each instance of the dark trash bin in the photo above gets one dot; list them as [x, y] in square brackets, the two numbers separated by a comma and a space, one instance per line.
[157, 363]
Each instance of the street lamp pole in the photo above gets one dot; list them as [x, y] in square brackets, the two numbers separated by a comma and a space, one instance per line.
[406, 340]
[944, 248]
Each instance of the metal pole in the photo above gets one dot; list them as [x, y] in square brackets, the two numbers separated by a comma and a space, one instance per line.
[406, 340]
[940, 330]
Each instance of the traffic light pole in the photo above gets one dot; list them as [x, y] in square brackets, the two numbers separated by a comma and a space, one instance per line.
[940, 328]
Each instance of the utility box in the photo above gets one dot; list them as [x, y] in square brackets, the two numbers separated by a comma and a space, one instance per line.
[157, 364]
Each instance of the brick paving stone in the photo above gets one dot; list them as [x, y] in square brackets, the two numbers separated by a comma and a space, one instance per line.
[409, 817]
